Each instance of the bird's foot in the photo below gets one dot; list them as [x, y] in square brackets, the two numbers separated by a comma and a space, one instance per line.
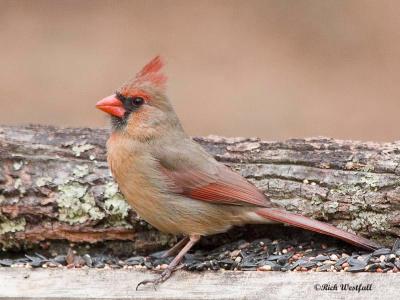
[174, 263]
[163, 277]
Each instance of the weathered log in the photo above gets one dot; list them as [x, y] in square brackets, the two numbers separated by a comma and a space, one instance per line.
[55, 185]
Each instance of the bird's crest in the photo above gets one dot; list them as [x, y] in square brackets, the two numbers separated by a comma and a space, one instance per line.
[151, 74]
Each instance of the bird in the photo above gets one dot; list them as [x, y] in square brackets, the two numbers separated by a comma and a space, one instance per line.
[173, 183]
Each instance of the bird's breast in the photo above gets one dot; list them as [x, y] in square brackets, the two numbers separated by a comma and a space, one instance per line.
[131, 166]
[135, 171]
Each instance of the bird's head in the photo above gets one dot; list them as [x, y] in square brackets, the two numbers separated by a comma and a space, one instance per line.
[140, 108]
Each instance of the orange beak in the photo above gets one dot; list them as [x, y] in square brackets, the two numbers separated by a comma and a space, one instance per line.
[112, 106]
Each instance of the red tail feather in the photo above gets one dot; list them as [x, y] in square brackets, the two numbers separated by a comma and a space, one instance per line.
[283, 216]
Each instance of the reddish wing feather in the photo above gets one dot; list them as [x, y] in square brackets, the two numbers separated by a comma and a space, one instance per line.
[223, 187]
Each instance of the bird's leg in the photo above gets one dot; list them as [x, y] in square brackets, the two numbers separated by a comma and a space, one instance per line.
[176, 248]
[193, 239]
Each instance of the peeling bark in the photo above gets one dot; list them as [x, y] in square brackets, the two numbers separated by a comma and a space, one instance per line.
[55, 185]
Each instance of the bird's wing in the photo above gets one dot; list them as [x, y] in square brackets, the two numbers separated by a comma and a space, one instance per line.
[209, 180]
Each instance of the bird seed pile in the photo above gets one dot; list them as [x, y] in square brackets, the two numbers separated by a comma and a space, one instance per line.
[257, 255]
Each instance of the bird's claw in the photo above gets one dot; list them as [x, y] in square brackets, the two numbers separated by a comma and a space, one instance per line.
[163, 277]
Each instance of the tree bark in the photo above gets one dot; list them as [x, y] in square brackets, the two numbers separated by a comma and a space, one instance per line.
[55, 185]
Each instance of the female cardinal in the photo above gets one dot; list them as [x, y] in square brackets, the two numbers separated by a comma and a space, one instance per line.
[173, 183]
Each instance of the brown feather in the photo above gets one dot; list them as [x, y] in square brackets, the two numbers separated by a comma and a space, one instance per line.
[280, 215]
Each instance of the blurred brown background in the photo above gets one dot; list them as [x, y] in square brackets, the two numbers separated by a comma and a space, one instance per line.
[274, 69]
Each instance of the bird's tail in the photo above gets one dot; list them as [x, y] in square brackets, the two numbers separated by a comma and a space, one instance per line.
[282, 216]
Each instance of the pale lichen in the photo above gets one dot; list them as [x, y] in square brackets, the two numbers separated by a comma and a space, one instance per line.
[345, 225]
[331, 207]
[346, 189]
[80, 171]
[371, 180]
[358, 202]
[373, 221]
[19, 186]
[78, 149]
[8, 226]
[316, 200]
[17, 183]
[367, 168]
[76, 205]
[11, 225]
[243, 147]
[116, 206]
[18, 165]
[111, 190]
[42, 181]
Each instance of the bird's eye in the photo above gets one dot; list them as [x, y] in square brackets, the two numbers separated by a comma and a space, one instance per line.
[137, 101]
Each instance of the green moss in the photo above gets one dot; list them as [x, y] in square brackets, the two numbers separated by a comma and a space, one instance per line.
[76, 205]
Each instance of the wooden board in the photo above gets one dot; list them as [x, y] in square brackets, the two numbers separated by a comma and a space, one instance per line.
[16, 283]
